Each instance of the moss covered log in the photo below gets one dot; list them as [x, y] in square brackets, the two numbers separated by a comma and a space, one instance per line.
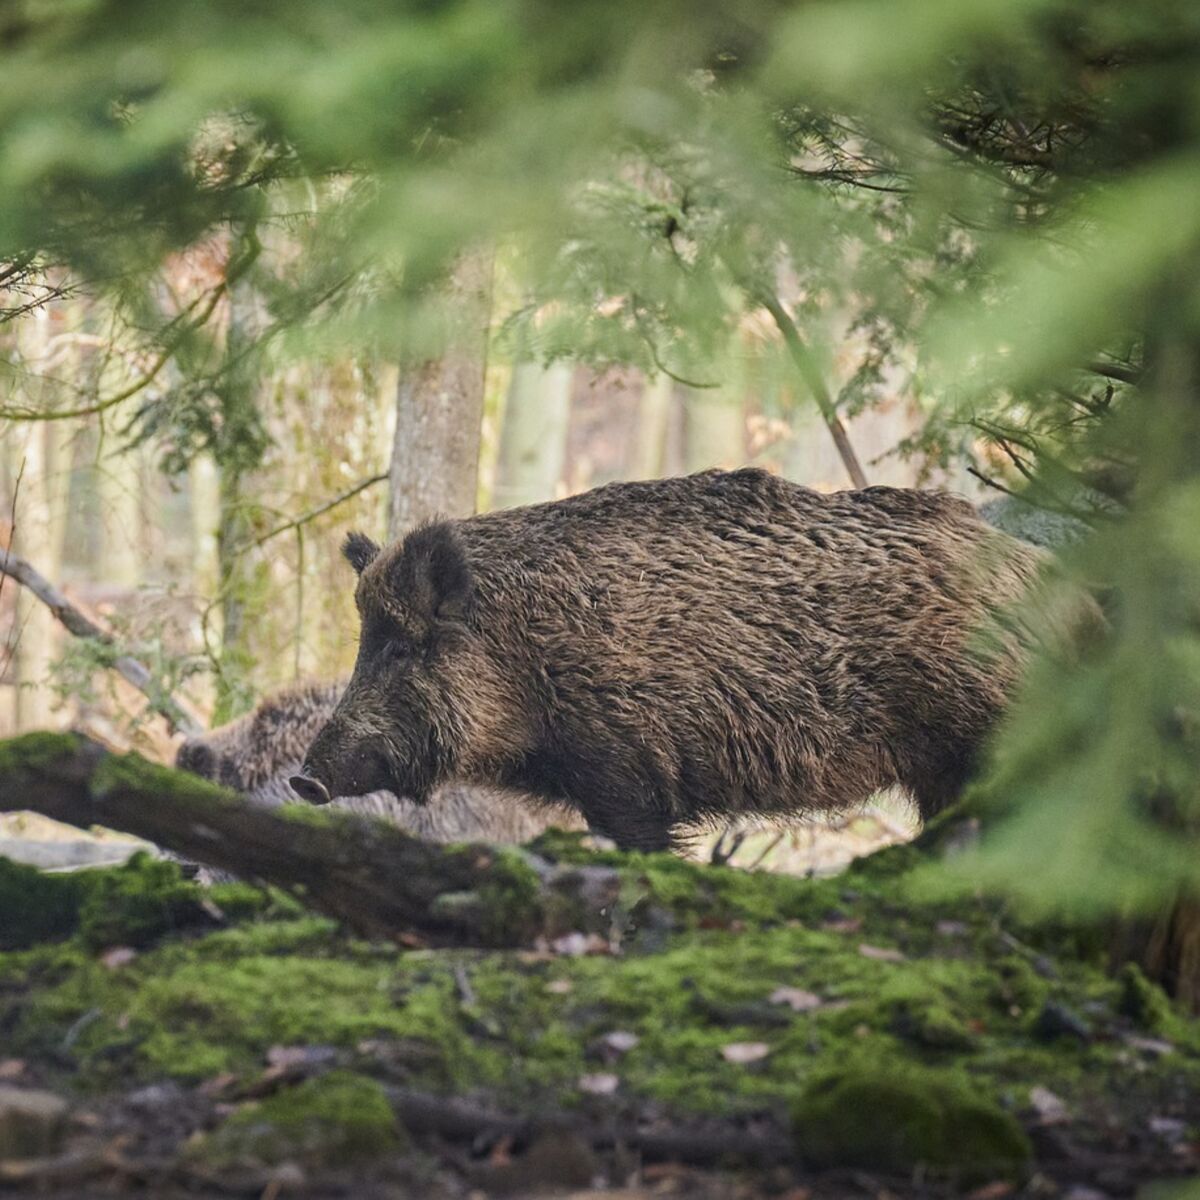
[372, 876]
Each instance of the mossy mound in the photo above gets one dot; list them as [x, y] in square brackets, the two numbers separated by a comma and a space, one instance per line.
[898, 1118]
[333, 1119]
[134, 904]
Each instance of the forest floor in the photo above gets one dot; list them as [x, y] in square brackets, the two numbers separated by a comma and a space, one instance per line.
[737, 1034]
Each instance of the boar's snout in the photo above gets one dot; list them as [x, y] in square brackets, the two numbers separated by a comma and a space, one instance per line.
[312, 790]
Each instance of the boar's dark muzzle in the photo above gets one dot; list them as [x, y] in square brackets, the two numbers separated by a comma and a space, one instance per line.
[310, 789]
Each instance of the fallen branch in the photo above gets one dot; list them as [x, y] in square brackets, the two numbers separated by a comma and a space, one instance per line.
[178, 715]
[376, 879]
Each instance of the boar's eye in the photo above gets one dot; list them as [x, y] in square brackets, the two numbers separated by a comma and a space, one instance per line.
[396, 649]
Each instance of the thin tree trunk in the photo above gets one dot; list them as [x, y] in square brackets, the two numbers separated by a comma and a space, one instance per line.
[802, 356]
[534, 441]
[439, 410]
[40, 525]
[654, 417]
[715, 428]
[234, 581]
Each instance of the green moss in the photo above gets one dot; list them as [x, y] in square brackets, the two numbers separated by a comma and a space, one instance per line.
[717, 945]
[511, 899]
[135, 904]
[336, 1118]
[118, 772]
[35, 751]
[926, 1014]
[1141, 1001]
[898, 1118]
[308, 814]
[132, 905]
[37, 907]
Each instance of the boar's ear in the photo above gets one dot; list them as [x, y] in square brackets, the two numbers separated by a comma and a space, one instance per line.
[359, 551]
[432, 575]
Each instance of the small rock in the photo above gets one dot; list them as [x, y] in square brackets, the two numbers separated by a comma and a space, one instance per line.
[576, 945]
[288, 1177]
[560, 987]
[155, 1096]
[745, 1052]
[31, 1122]
[880, 953]
[996, 1190]
[600, 1084]
[620, 1040]
[1057, 1020]
[1080, 1192]
[797, 999]
[1155, 1047]
[12, 1068]
[1049, 1107]
[1170, 1129]
[1045, 967]
[842, 924]
[951, 928]
[118, 957]
[611, 1046]
[289, 1058]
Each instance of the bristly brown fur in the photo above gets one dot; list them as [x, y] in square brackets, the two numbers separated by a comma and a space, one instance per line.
[661, 653]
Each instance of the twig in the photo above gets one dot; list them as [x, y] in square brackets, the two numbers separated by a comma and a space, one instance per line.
[988, 481]
[761, 858]
[178, 715]
[311, 515]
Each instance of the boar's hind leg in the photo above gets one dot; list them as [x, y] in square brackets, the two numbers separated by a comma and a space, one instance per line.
[938, 786]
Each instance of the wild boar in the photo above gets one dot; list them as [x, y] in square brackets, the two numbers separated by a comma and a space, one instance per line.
[257, 753]
[667, 653]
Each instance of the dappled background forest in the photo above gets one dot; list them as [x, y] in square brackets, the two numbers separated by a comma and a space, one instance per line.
[271, 274]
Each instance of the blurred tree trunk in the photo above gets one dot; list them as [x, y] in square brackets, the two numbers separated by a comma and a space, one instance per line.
[715, 428]
[234, 571]
[533, 443]
[654, 421]
[439, 410]
[40, 514]
[118, 494]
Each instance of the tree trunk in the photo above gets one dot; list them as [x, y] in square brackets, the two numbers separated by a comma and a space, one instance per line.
[654, 419]
[715, 428]
[39, 527]
[234, 575]
[533, 444]
[439, 409]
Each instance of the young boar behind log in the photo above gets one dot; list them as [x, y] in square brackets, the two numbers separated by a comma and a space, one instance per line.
[256, 754]
[668, 652]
